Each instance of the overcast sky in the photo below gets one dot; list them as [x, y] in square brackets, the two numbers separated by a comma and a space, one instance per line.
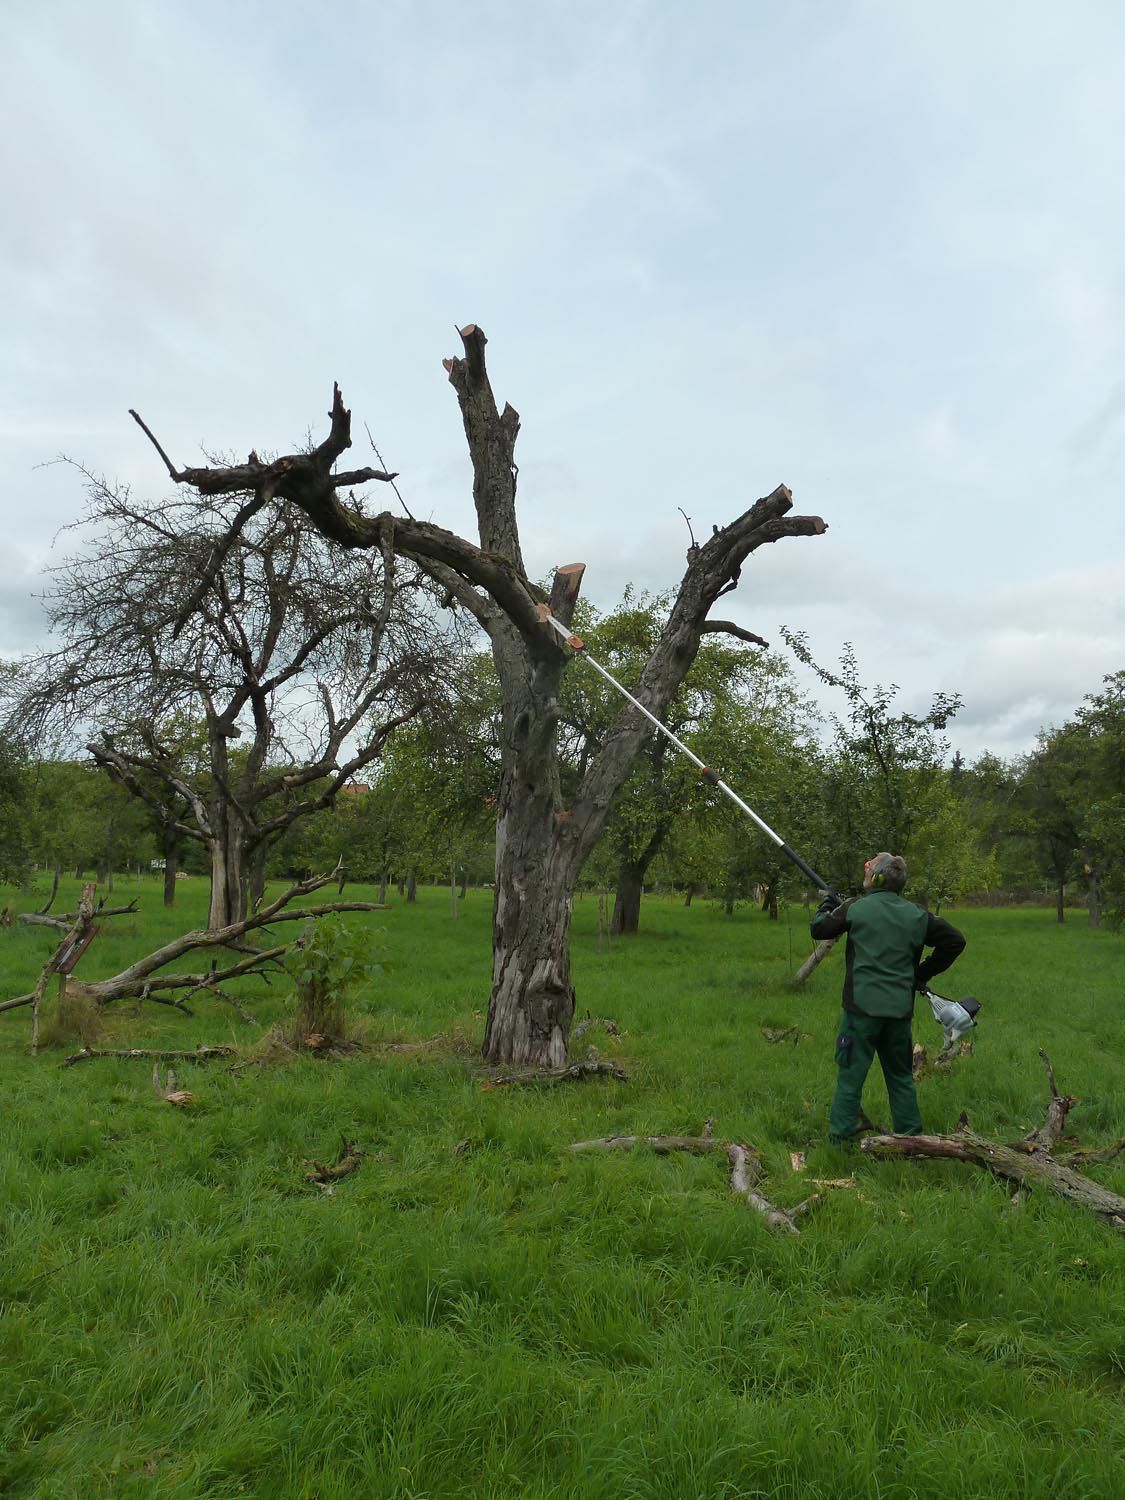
[872, 250]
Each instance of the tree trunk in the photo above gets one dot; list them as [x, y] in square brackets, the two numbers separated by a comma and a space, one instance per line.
[532, 1001]
[1060, 909]
[171, 864]
[1094, 898]
[688, 894]
[383, 882]
[412, 887]
[228, 890]
[769, 901]
[627, 904]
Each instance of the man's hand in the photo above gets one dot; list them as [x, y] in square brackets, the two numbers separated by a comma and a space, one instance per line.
[829, 902]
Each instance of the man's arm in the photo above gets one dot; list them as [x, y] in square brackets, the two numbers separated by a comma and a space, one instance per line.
[831, 919]
[947, 943]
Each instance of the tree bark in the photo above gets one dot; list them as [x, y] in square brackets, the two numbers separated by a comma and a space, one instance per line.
[228, 892]
[532, 1001]
[1060, 906]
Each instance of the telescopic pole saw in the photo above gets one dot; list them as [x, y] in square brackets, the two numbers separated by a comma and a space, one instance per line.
[578, 645]
[955, 1017]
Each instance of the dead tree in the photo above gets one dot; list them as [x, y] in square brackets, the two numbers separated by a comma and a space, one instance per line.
[1034, 1161]
[542, 841]
[233, 691]
[147, 979]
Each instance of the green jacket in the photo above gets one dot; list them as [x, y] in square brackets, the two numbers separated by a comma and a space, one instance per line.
[886, 936]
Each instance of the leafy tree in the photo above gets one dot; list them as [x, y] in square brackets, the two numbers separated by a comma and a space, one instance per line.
[1051, 798]
[16, 832]
[729, 687]
[885, 785]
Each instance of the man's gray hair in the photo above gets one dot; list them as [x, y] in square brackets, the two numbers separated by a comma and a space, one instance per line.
[892, 868]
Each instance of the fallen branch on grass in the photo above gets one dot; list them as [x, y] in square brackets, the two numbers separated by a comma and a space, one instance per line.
[65, 920]
[197, 1054]
[589, 1069]
[1028, 1163]
[143, 979]
[349, 1158]
[746, 1169]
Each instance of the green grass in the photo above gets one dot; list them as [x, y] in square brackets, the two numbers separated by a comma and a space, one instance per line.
[477, 1312]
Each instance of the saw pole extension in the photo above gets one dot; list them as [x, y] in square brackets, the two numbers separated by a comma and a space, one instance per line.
[955, 1017]
[577, 645]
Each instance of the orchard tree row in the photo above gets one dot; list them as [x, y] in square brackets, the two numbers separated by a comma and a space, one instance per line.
[1051, 823]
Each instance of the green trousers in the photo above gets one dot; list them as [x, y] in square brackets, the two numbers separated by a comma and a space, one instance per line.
[858, 1041]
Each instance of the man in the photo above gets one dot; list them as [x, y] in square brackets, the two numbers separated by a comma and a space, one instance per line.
[886, 935]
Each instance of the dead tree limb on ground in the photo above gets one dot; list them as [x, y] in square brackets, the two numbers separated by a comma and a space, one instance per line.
[746, 1169]
[65, 920]
[578, 1070]
[349, 1158]
[197, 1054]
[1028, 1163]
[144, 981]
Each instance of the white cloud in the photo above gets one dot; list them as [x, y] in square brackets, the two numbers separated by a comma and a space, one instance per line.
[873, 254]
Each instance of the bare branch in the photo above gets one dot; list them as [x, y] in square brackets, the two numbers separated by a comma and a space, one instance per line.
[728, 627]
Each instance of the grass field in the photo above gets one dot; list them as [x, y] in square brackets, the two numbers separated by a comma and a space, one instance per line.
[477, 1312]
